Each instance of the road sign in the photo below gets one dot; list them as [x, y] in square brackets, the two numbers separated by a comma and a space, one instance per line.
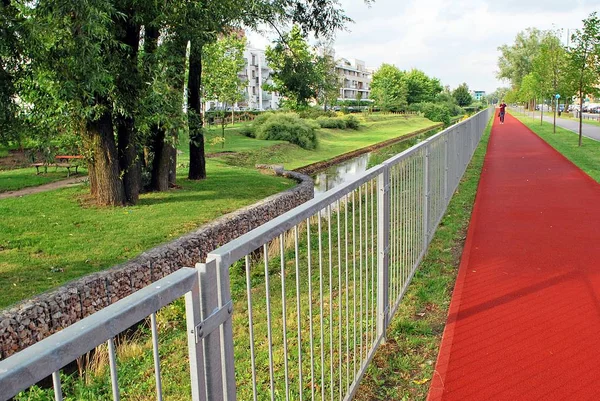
[557, 96]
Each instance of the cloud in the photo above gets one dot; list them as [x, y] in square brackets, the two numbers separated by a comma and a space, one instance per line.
[455, 41]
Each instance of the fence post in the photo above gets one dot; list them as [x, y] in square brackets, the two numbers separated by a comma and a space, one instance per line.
[383, 250]
[426, 197]
[193, 317]
[218, 342]
[446, 196]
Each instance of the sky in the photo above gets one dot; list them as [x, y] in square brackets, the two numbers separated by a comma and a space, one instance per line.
[454, 40]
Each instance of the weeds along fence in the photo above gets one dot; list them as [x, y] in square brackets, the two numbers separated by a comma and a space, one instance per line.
[293, 310]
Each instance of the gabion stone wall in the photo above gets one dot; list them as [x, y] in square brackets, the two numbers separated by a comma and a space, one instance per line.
[32, 320]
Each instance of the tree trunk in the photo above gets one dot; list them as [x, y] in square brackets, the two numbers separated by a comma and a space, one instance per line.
[197, 169]
[580, 115]
[129, 159]
[160, 162]
[172, 166]
[108, 186]
[128, 148]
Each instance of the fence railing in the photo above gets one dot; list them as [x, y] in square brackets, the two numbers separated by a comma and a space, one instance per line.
[296, 308]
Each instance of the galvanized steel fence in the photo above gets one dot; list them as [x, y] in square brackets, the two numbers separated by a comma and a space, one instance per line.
[296, 308]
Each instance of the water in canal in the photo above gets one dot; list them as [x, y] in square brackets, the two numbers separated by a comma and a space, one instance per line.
[348, 170]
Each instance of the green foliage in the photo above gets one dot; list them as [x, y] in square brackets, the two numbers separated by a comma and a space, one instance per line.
[314, 113]
[288, 127]
[222, 62]
[462, 96]
[331, 122]
[434, 112]
[420, 87]
[389, 89]
[516, 60]
[296, 73]
[352, 122]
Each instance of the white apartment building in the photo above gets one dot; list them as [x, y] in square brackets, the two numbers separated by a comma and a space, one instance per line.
[255, 74]
[355, 78]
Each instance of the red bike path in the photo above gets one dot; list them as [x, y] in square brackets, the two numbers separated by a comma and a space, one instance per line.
[524, 320]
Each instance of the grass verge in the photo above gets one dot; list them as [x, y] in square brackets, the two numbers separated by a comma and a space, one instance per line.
[402, 368]
[52, 237]
[333, 142]
[586, 157]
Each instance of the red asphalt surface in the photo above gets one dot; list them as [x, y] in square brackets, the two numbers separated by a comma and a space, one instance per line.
[524, 321]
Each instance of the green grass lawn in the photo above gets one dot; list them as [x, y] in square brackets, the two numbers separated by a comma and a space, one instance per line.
[50, 238]
[12, 180]
[333, 142]
[586, 157]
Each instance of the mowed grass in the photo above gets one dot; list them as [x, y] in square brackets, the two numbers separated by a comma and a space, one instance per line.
[12, 180]
[49, 238]
[333, 142]
[402, 368]
[586, 157]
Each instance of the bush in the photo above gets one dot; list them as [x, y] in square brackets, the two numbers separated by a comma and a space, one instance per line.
[248, 131]
[434, 112]
[332, 123]
[287, 127]
[352, 122]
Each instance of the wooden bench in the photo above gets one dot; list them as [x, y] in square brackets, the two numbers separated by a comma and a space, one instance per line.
[64, 161]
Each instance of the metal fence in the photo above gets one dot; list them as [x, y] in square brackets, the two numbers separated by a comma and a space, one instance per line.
[296, 308]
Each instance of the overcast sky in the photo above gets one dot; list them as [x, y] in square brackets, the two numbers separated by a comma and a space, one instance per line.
[453, 40]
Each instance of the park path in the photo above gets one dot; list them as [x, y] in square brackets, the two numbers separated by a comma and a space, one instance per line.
[524, 321]
[43, 188]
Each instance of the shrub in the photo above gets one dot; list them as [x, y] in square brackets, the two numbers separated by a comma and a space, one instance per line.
[352, 122]
[248, 131]
[326, 122]
[288, 127]
[434, 112]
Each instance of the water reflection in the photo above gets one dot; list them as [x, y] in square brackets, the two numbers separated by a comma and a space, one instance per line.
[348, 170]
[340, 173]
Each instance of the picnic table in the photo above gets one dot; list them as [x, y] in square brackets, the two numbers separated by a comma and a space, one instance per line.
[65, 161]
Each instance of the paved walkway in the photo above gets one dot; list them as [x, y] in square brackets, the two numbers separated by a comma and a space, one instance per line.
[524, 321]
[43, 188]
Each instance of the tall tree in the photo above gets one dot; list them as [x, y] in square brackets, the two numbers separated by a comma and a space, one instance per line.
[516, 60]
[75, 62]
[462, 96]
[585, 61]
[388, 88]
[328, 87]
[11, 61]
[295, 74]
[421, 88]
[550, 69]
[223, 60]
